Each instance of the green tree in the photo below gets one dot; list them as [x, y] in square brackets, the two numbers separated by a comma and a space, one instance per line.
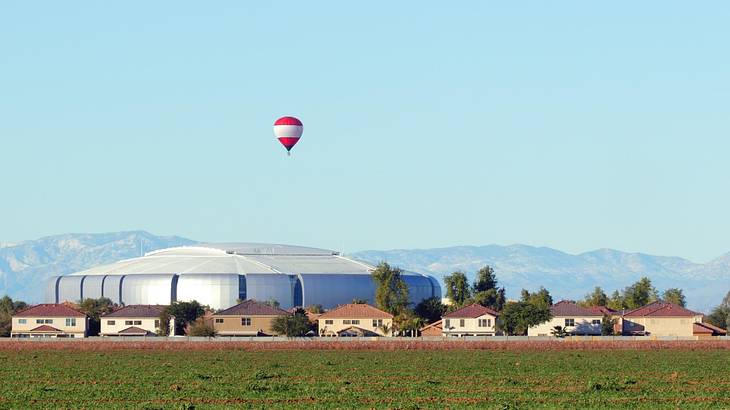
[616, 302]
[164, 329]
[558, 331]
[359, 301]
[184, 314]
[8, 307]
[674, 295]
[485, 291]
[540, 299]
[607, 325]
[596, 298]
[202, 328]
[407, 323]
[720, 315]
[391, 290]
[517, 317]
[316, 309]
[457, 288]
[95, 309]
[272, 302]
[295, 325]
[640, 294]
[430, 309]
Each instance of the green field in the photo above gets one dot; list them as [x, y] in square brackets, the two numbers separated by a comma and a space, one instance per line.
[365, 379]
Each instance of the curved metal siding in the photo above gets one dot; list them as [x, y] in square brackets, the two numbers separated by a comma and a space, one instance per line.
[419, 287]
[219, 291]
[279, 287]
[111, 287]
[436, 286]
[330, 290]
[69, 288]
[147, 289]
[92, 287]
[51, 295]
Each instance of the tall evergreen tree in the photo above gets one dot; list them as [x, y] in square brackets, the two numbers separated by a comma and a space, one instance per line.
[391, 291]
[674, 295]
[596, 298]
[457, 288]
[485, 290]
[640, 294]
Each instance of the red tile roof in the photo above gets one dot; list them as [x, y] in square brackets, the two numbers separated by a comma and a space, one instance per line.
[472, 311]
[355, 311]
[706, 328]
[603, 310]
[661, 309]
[252, 308]
[137, 311]
[133, 331]
[568, 308]
[49, 310]
[45, 328]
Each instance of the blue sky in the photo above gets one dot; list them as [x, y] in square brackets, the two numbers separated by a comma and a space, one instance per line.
[573, 125]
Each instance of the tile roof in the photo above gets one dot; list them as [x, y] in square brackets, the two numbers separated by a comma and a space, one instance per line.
[661, 309]
[706, 328]
[252, 308]
[356, 311]
[133, 331]
[568, 308]
[437, 324]
[603, 310]
[49, 310]
[472, 311]
[137, 311]
[45, 328]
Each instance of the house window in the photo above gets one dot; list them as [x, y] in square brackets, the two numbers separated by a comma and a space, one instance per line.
[157, 323]
[377, 322]
[461, 322]
[110, 322]
[485, 322]
[569, 322]
[128, 323]
[44, 321]
[448, 324]
[329, 322]
[218, 320]
[48, 321]
[596, 321]
[71, 321]
[22, 321]
[355, 321]
[137, 322]
[347, 322]
[245, 321]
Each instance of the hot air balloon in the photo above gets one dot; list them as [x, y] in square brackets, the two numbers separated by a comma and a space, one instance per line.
[288, 130]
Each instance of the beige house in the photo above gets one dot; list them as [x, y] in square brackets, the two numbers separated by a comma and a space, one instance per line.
[132, 320]
[355, 320]
[472, 320]
[248, 318]
[575, 319]
[660, 319]
[49, 321]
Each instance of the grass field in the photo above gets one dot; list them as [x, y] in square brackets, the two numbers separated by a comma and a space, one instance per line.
[216, 376]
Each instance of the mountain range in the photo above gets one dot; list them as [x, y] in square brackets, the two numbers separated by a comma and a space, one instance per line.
[25, 266]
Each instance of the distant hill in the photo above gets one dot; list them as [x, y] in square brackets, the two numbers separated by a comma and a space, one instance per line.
[568, 276]
[24, 267]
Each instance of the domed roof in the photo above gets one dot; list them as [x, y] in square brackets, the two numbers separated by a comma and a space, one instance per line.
[238, 258]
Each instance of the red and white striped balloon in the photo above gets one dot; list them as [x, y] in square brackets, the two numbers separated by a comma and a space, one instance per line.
[288, 130]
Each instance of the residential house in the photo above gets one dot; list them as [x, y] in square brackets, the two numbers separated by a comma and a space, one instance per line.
[50, 321]
[574, 319]
[433, 329]
[355, 320]
[706, 330]
[660, 319]
[472, 320]
[132, 320]
[248, 318]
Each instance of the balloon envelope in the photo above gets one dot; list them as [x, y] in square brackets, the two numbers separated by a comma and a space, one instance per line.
[288, 130]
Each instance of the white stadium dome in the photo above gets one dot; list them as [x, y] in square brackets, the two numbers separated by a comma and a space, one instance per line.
[218, 275]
